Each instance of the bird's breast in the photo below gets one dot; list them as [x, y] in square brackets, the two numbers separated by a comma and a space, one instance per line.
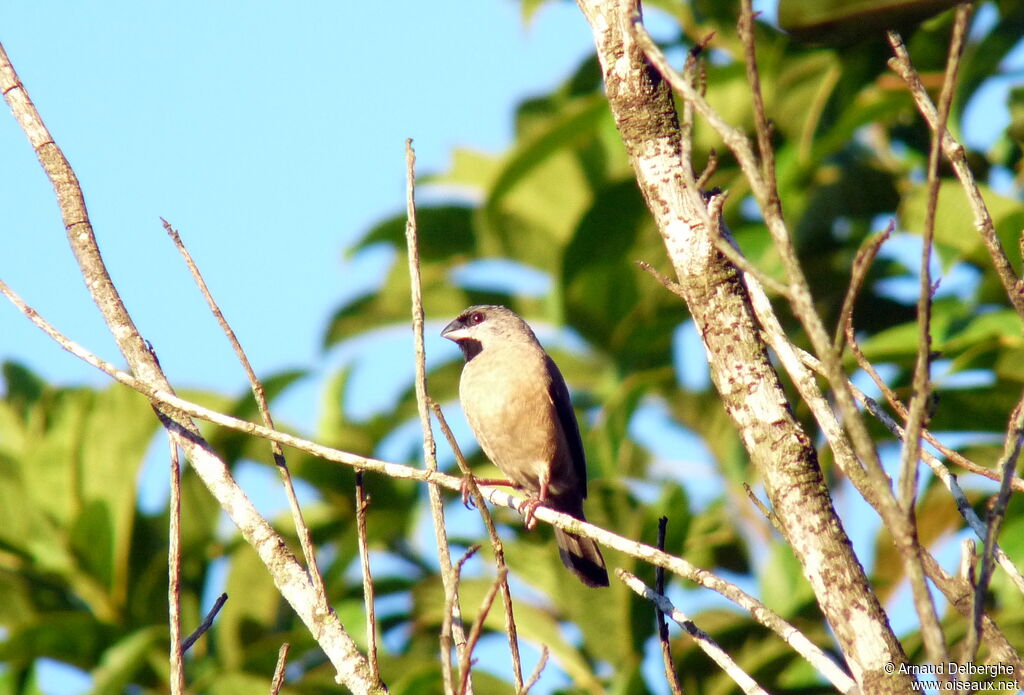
[505, 395]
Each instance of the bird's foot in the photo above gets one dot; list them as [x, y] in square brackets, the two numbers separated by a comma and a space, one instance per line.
[529, 509]
[464, 492]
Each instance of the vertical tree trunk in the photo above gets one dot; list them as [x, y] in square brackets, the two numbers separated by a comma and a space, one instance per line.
[781, 451]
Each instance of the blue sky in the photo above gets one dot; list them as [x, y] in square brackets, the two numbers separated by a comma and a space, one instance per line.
[271, 137]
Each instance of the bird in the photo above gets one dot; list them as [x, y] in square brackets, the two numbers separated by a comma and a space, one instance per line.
[519, 409]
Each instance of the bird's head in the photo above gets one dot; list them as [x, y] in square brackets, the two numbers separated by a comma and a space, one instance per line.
[478, 327]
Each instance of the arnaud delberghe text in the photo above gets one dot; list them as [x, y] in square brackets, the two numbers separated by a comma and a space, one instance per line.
[952, 668]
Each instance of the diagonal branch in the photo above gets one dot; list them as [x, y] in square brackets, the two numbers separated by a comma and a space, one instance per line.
[822, 663]
[301, 528]
[290, 578]
[957, 156]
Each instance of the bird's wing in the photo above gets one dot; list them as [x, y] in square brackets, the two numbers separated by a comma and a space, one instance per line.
[559, 393]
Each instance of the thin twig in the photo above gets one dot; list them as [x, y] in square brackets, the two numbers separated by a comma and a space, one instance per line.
[466, 662]
[968, 556]
[429, 447]
[301, 529]
[957, 156]
[539, 669]
[446, 624]
[901, 411]
[206, 624]
[940, 471]
[931, 628]
[767, 513]
[362, 502]
[692, 70]
[499, 550]
[279, 670]
[996, 515]
[748, 685]
[709, 170]
[177, 675]
[761, 125]
[666, 646]
[922, 386]
[862, 263]
[666, 282]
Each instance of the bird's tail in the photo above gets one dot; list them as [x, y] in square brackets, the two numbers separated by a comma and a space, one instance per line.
[583, 557]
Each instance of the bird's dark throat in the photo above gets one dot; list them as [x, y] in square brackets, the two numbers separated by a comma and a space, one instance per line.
[470, 348]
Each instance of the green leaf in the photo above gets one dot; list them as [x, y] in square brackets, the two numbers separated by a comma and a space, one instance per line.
[122, 663]
[956, 236]
[444, 232]
[783, 586]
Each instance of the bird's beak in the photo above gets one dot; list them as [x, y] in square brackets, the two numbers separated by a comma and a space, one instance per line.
[455, 331]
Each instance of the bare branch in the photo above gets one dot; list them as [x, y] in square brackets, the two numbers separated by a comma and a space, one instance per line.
[279, 670]
[957, 156]
[466, 662]
[499, 551]
[862, 262]
[495, 495]
[207, 623]
[429, 447]
[931, 629]
[446, 623]
[362, 502]
[825, 666]
[901, 410]
[761, 125]
[301, 529]
[177, 667]
[539, 669]
[767, 513]
[997, 512]
[940, 471]
[666, 645]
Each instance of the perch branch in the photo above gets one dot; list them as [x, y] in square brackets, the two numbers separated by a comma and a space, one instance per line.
[495, 495]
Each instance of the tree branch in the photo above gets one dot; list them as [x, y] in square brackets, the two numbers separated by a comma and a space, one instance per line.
[290, 578]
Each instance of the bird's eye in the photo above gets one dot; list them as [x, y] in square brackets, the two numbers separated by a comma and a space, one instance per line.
[475, 318]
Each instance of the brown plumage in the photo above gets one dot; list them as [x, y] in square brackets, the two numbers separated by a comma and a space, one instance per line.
[518, 405]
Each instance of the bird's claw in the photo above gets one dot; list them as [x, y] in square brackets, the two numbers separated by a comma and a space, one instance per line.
[529, 509]
[464, 491]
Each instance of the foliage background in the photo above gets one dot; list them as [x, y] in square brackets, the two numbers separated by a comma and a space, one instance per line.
[275, 175]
